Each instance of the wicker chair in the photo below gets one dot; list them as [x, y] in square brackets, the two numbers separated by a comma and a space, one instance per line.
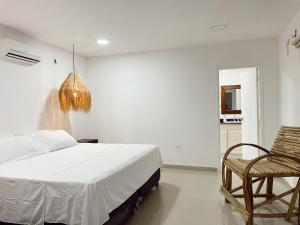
[282, 161]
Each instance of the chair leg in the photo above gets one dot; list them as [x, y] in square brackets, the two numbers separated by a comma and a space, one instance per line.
[248, 192]
[250, 222]
[293, 202]
[299, 209]
[228, 184]
[269, 188]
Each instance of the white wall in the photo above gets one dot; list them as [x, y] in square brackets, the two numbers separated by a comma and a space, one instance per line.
[250, 112]
[289, 85]
[170, 98]
[229, 77]
[28, 95]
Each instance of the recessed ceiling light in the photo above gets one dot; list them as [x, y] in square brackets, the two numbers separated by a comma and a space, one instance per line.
[218, 27]
[103, 42]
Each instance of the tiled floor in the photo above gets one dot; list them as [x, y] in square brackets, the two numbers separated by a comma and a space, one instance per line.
[190, 197]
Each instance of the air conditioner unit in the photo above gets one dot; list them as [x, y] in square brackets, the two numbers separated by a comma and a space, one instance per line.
[17, 52]
[296, 42]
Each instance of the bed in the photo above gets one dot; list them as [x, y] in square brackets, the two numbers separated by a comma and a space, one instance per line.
[87, 184]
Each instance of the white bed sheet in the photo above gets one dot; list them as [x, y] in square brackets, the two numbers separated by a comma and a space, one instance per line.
[79, 185]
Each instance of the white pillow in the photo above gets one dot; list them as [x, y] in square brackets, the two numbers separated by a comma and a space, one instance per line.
[55, 139]
[18, 147]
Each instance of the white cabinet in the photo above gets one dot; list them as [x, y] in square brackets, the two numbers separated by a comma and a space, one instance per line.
[223, 140]
[230, 134]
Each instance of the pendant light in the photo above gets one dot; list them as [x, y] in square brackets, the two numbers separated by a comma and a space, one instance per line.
[73, 93]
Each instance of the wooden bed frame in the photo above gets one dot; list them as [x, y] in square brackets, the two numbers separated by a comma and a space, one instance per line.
[124, 211]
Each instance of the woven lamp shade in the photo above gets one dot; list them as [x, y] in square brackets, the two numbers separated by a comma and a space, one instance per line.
[74, 94]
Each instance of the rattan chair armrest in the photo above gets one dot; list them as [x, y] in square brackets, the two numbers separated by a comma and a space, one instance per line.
[243, 144]
[273, 155]
[247, 178]
[254, 161]
[234, 147]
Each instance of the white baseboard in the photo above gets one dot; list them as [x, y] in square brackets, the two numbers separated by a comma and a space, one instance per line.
[183, 167]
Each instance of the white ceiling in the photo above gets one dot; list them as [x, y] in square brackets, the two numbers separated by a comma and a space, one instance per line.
[145, 25]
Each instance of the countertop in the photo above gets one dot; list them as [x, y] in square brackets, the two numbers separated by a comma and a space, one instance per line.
[231, 123]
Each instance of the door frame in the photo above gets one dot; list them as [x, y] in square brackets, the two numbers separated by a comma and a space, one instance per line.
[260, 138]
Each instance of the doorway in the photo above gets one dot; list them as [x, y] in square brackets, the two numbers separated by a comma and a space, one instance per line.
[239, 111]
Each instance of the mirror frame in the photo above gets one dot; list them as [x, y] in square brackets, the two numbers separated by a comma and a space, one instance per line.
[223, 108]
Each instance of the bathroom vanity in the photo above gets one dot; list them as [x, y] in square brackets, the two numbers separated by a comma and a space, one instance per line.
[230, 134]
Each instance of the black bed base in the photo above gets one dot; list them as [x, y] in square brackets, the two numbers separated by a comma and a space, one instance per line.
[124, 211]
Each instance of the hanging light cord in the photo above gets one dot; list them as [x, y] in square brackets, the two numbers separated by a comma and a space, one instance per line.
[73, 59]
[74, 64]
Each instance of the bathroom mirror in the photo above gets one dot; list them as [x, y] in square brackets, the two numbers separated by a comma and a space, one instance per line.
[231, 99]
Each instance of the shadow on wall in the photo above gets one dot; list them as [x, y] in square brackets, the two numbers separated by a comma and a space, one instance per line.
[52, 117]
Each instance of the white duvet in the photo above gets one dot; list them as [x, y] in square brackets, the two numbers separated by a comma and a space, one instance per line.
[78, 185]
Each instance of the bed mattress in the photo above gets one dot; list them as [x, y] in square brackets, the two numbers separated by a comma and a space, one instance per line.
[78, 185]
